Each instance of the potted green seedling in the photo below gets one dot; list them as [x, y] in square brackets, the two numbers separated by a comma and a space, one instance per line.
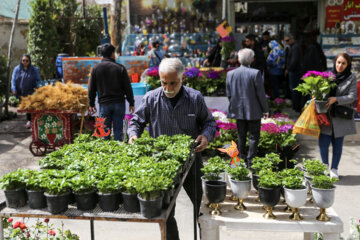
[13, 184]
[129, 193]
[240, 184]
[269, 190]
[258, 164]
[35, 188]
[84, 188]
[109, 192]
[57, 192]
[323, 191]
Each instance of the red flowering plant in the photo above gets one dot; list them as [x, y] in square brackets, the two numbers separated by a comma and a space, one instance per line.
[41, 230]
[278, 104]
[153, 77]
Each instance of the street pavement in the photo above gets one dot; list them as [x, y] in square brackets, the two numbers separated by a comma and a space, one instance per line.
[14, 154]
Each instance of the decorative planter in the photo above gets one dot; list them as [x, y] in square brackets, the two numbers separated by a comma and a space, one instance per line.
[150, 208]
[215, 192]
[255, 181]
[203, 181]
[131, 202]
[295, 198]
[86, 201]
[241, 190]
[15, 198]
[323, 198]
[320, 106]
[109, 202]
[269, 197]
[37, 199]
[57, 203]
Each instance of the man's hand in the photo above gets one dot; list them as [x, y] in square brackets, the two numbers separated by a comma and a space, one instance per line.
[92, 110]
[131, 140]
[203, 143]
[265, 115]
[132, 109]
[14, 92]
[331, 100]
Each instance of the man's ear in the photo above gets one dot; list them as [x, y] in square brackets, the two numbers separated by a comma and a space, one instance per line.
[253, 59]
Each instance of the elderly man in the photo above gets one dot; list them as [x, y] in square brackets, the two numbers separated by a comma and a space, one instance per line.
[245, 90]
[175, 109]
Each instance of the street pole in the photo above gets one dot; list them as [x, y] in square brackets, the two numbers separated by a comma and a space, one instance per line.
[9, 57]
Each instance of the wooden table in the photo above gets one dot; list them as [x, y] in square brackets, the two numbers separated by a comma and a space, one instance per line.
[251, 220]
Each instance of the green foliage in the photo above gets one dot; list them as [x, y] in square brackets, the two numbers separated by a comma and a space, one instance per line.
[323, 182]
[83, 183]
[153, 81]
[314, 167]
[270, 161]
[110, 184]
[14, 180]
[36, 180]
[239, 172]
[293, 182]
[316, 86]
[213, 168]
[151, 188]
[269, 179]
[43, 37]
[57, 186]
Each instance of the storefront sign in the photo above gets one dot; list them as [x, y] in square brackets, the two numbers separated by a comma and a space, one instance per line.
[351, 10]
[333, 15]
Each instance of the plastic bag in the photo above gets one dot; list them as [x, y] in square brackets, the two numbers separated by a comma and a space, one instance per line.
[307, 123]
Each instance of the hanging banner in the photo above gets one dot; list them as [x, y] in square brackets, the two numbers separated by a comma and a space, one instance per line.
[349, 10]
[333, 15]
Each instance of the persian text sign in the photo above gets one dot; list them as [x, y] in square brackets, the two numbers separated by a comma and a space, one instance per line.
[334, 14]
[351, 10]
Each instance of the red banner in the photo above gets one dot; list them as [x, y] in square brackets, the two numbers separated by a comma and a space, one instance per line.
[351, 10]
[334, 14]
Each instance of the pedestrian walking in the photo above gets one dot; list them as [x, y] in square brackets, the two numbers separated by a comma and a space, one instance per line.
[245, 90]
[25, 79]
[110, 81]
[276, 65]
[345, 95]
[176, 109]
[155, 54]
[259, 58]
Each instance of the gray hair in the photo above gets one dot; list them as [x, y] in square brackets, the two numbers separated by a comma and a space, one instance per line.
[168, 65]
[245, 56]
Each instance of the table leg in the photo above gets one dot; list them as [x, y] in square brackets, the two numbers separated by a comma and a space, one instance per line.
[195, 203]
[308, 236]
[92, 229]
[331, 236]
[1, 229]
[163, 230]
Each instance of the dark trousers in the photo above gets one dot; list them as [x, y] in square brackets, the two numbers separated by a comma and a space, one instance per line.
[189, 186]
[253, 128]
[294, 80]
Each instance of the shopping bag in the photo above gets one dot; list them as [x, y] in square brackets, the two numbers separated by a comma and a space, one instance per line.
[307, 123]
[322, 118]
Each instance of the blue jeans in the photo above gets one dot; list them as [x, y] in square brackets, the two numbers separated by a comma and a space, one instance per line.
[114, 114]
[337, 144]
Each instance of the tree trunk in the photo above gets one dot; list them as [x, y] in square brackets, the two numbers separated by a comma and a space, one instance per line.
[116, 24]
[9, 57]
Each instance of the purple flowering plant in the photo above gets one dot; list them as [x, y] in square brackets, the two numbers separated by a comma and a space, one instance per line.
[317, 84]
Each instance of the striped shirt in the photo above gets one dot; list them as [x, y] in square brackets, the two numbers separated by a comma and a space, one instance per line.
[190, 116]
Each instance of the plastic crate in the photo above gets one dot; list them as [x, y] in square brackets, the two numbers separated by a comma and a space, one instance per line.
[140, 88]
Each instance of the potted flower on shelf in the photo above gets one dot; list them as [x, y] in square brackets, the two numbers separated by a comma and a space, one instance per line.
[129, 193]
[150, 189]
[84, 188]
[35, 188]
[294, 190]
[318, 85]
[323, 191]
[258, 164]
[13, 184]
[240, 184]
[269, 191]
[109, 193]
[57, 192]
[313, 167]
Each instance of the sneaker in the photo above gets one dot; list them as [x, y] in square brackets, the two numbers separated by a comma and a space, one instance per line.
[334, 173]
[326, 172]
[28, 124]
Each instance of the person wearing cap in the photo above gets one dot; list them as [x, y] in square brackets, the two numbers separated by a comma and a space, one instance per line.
[111, 82]
[155, 54]
[139, 48]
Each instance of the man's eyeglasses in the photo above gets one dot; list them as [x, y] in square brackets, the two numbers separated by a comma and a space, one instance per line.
[287, 40]
[25, 60]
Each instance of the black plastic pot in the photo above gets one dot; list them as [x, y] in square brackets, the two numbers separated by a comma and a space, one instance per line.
[37, 199]
[71, 198]
[255, 181]
[109, 201]
[166, 199]
[57, 203]
[215, 191]
[131, 202]
[150, 208]
[15, 198]
[269, 197]
[86, 201]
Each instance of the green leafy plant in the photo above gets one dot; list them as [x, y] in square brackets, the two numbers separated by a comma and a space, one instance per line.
[260, 163]
[323, 182]
[293, 182]
[239, 172]
[317, 84]
[57, 186]
[14, 180]
[213, 168]
[83, 183]
[314, 167]
[151, 188]
[111, 184]
[269, 179]
[36, 180]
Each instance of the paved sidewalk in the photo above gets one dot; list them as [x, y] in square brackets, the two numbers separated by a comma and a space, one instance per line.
[14, 153]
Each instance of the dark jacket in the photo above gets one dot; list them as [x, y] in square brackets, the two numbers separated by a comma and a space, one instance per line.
[259, 59]
[314, 58]
[294, 59]
[111, 81]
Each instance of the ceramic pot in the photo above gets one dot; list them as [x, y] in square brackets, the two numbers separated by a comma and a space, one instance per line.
[255, 181]
[323, 198]
[295, 198]
[215, 192]
[269, 197]
[320, 106]
[241, 190]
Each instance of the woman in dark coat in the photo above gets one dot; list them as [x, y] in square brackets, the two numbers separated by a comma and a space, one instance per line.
[25, 79]
[345, 94]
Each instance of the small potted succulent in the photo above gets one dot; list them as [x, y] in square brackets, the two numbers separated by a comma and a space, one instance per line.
[294, 191]
[240, 184]
[269, 190]
[318, 85]
[13, 184]
[323, 191]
